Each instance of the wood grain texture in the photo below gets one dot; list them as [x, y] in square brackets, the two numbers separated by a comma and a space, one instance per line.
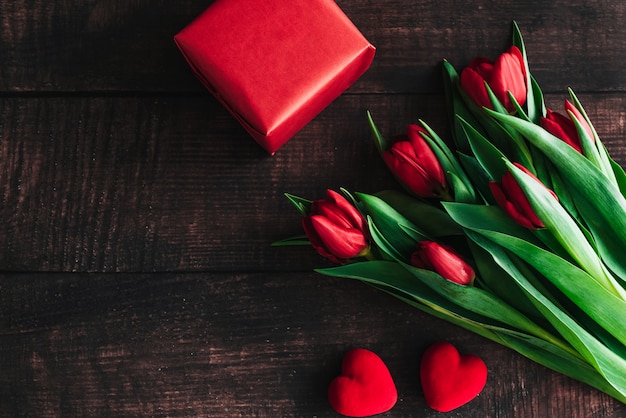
[225, 345]
[151, 184]
[174, 184]
[137, 215]
[104, 46]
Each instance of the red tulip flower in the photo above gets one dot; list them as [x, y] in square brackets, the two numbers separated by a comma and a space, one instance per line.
[443, 260]
[414, 164]
[513, 201]
[563, 127]
[507, 73]
[336, 229]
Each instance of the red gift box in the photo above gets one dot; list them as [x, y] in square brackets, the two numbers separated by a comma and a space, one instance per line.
[275, 64]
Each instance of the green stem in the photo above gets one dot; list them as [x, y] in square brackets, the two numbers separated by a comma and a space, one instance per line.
[445, 195]
[367, 254]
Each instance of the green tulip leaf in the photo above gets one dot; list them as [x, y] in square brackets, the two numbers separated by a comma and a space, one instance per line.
[534, 99]
[303, 205]
[559, 360]
[600, 203]
[592, 145]
[552, 356]
[485, 330]
[479, 301]
[522, 153]
[610, 365]
[603, 306]
[538, 102]
[490, 218]
[489, 157]
[381, 143]
[493, 278]
[620, 176]
[390, 252]
[392, 275]
[488, 127]
[558, 270]
[397, 281]
[589, 148]
[457, 106]
[388, 277]
[518, 109]
[608, 241]
[387, 222]
[430, 220]
[461, 191]
[563, 192]
[493, 219]
[449, 164]
[436, 143]
[293, 241]
[480, 177]
[582, 111]
[495, 102]
[565, 229]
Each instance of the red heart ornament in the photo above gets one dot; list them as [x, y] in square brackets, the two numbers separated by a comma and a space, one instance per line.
[450, 379]
[365, 386]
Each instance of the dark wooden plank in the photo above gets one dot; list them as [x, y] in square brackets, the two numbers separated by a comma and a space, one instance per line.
[94, 45]
[127, 46]
[126, 184]
[576, 44]
[174, 184]
[115, 159]
[236, 345]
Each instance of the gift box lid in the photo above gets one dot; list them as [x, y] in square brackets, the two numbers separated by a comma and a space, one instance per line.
[275, 64]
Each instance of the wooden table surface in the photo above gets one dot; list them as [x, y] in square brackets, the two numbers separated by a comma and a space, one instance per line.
[138, 279]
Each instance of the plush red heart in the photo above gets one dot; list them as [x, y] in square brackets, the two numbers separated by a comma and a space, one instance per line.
[365, 386]
[450, 379]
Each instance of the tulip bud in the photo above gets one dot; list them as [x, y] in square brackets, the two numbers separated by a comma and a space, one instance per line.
[563, 127]
[513, 200]
[443, 260]
[507, 73]
[336, 229]
[415, 165]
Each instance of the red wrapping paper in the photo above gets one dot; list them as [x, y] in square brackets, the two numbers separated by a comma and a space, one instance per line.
[275, 64]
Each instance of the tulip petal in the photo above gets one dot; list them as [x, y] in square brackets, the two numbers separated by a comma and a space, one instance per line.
[330, 211]
[474, 85]
[569, 107]
[419, 260]
[425, 155]
[508, 75]
[503, 201]
[482, 65]
[517, 53]
[316, 241]
[415, 164]
[447, 263]
[561, 127]
[408, 170]
[443, 260]
[350, 213]
[342, 242]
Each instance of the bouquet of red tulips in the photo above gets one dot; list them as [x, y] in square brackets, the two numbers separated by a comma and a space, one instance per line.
[516, 232]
